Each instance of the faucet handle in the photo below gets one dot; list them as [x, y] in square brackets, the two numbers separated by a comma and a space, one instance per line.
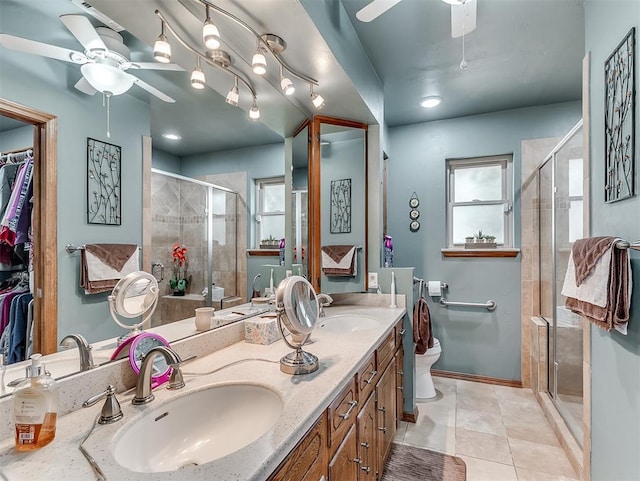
[111, 411]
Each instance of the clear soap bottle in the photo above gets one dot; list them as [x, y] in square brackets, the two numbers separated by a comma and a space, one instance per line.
[35, 408]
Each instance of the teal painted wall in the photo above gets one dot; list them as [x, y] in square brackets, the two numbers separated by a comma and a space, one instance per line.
[16, 138]
[615, 359]
[163, 160]
[37, 83]
[473, 341]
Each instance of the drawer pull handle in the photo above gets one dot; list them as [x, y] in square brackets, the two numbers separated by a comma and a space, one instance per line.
[382, 410]
[373, 374]
[366, 469]
[402, 332]
[352, 405]
[357, 461]
[401, 373]
[384, 430]
[365, 445]
[400, 388]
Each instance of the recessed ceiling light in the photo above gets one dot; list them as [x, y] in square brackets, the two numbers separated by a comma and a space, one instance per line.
[172, 136]
[430, 102]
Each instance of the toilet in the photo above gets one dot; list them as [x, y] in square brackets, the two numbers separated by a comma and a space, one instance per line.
[424, 383]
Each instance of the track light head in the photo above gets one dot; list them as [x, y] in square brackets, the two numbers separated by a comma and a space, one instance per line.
[162, 49]
[254, 113]
[259, 63]
[287, 86]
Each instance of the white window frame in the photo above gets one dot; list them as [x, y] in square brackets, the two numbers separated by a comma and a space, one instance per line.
[506, 163]
[259, 196]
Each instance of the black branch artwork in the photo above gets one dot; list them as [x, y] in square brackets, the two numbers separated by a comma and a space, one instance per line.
[620, 121]
[340, 206]
[103, 183]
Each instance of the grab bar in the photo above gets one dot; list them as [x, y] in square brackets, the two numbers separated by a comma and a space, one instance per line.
[489, 305]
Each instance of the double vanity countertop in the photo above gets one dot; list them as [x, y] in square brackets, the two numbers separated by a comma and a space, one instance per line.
[304, 398]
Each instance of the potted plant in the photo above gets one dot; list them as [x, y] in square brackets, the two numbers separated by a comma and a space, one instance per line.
[491, 239]
[469, 239]
[270, 243]
[479, 237]
[179, 281]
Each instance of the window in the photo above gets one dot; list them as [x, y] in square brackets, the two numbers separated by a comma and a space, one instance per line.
[270, 201]
[480, 192]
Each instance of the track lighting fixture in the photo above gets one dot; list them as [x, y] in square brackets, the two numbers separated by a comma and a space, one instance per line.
[218, 58]
[210, 33]
[259, 62]
[254, 113]
[316, 99]
[234, 94]
[162, 48]
[197, 76]
[286, 84]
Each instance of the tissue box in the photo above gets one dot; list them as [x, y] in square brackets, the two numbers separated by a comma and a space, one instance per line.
[261, 330]
[217, 293]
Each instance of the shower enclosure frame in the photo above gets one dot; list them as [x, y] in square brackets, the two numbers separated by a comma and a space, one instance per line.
[552, 344]
[209, 213]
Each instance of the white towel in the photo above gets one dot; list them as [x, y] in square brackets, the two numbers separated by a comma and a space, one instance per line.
[99, 271]
[595, 288]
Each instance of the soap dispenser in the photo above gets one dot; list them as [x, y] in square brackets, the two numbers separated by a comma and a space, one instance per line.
[35, 408]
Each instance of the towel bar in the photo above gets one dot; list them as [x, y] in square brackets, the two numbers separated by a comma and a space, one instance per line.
[70, 248]
[628, 245]
[489, 305]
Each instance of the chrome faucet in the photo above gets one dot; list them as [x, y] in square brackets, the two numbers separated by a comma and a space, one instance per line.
[324, 300]
[143, 385]
[84, 349]
[254, 293]
[111, 411]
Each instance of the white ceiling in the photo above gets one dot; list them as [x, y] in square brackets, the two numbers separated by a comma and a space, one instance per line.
[522, 53]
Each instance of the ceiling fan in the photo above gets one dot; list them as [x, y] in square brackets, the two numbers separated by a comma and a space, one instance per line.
[104, 63]
[463, 14]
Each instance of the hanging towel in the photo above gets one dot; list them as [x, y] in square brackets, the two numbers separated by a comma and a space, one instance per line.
[422, 332]
[339, 260]
[103, 265]
[603, 295]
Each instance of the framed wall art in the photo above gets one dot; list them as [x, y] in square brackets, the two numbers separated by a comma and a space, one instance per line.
[619, 120]
[103, 183]
[340, 206]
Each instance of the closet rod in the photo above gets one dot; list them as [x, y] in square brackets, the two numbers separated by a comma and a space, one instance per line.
[17, 155]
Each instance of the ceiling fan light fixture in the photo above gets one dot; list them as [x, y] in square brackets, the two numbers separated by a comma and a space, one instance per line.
[259, 62]
[106, 78]
[210, 33]
[172, 136]
[456, 2]
[254, 113]
[430, 102]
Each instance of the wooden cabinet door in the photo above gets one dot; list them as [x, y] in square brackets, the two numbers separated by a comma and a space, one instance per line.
[344, 465]
[399, 384]
[307, 461]
[367, 441]
[386, 411]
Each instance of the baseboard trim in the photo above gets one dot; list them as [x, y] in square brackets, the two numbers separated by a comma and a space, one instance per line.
[411, 417]
[476, 378]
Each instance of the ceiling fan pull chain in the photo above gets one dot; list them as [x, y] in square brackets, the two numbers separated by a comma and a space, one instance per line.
[107, 96]
[463, 64]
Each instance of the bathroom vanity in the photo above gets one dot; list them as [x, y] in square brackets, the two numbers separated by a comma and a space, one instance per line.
[336, 423]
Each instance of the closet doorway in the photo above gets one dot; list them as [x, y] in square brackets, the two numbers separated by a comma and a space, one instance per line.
[44, 222]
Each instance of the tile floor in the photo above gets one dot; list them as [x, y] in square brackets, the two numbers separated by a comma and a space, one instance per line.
[501, 433]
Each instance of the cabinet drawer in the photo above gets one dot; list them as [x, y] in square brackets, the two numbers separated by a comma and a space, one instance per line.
[342, 415]
[367, 378]
[307, 461]
[386, 350]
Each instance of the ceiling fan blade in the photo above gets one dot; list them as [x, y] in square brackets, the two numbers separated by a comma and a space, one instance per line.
[85, 87]
[463, 18]
[375, 9]
[82, 29]
[157, 66]
[152, 90]
[38, 48]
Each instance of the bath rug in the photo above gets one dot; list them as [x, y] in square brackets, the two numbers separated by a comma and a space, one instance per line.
[408, 463]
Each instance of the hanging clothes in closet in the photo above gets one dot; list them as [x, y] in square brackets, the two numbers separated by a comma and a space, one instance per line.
[16, 300]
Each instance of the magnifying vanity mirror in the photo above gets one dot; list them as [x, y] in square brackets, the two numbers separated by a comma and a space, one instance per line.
[133, 301]
[297, 309]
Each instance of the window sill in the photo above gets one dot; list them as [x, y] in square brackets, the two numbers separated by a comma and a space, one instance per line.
[263, 252]
[497, 252]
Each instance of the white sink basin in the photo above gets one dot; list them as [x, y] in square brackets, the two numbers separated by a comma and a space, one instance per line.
[197, 428]
[341, 323]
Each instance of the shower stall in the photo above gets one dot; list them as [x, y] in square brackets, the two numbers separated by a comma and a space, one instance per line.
[561, 221]
[203, 218]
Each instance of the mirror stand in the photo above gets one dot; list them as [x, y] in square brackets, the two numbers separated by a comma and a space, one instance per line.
[298, 361]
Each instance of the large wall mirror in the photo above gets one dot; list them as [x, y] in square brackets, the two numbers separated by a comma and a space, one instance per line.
[41, 93]
[337, 217]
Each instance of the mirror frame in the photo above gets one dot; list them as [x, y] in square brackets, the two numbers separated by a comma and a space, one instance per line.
[315, 252]
[45, 234]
